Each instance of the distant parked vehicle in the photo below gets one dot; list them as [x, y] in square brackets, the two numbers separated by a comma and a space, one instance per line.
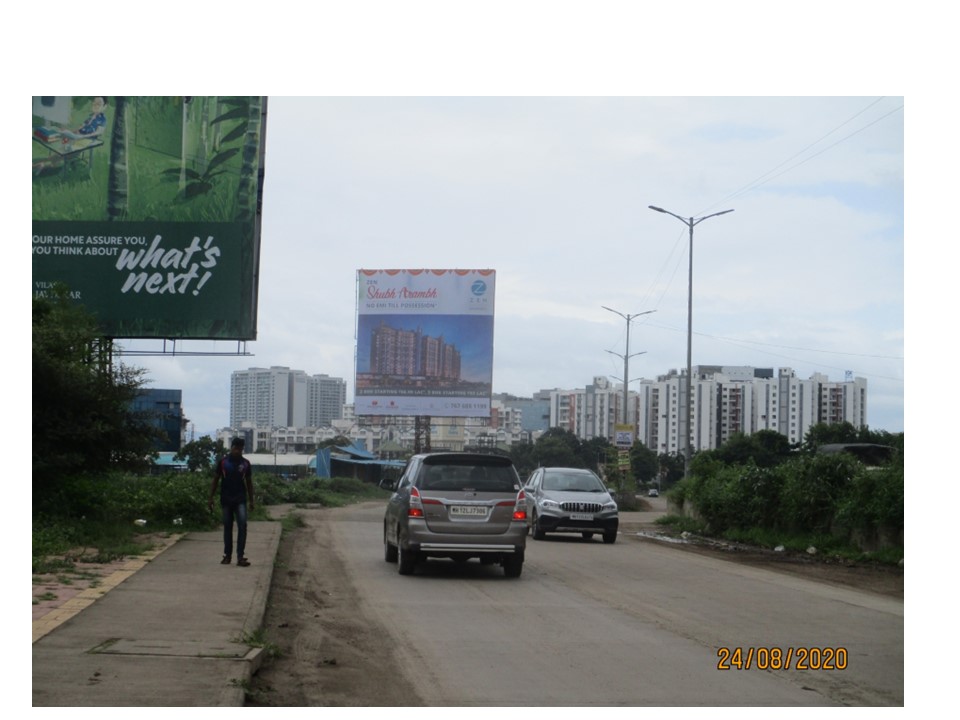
[653, 492]
[459, 506]
[570, 500]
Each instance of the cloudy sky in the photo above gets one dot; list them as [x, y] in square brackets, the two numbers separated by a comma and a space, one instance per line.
[553, 193]
[531, 137]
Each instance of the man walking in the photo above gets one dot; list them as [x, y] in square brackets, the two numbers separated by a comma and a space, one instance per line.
[234, 474]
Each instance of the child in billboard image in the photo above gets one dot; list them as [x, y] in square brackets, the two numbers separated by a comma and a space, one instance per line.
[94, 124]
[92, 128]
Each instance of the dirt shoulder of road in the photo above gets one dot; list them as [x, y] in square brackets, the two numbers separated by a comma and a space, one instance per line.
[322, 649]
[877, 577]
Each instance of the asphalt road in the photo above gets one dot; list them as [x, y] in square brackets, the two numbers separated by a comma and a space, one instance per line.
[634, 623]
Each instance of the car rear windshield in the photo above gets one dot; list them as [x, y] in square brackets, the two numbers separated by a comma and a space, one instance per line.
[482, 478]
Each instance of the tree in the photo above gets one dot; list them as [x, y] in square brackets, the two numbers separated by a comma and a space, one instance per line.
[671, 468]
[524, 458]
[117, 178]
[559, 448]
[766, 448]
[828, 433]
[338, 441]
[201, 455]
[593, 452]
[644, 463]
[82, 402]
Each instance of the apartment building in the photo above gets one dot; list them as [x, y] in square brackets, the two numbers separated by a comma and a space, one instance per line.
[590, 412]
[726, 400]
[284, 409]
[281, 397]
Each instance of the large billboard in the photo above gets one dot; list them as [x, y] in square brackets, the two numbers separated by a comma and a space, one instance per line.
[148, 210]
[424, 342]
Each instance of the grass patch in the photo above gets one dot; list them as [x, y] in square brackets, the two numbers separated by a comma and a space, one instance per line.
[292, 521]
[827, 545]
[258, 639]
[796, 542]
[679, 523]
[50, 566]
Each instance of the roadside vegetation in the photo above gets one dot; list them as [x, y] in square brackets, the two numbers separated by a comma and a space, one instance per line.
[760, 491]
[100, 517]
[95, 495]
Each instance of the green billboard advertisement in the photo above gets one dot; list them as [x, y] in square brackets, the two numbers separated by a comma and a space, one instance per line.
[148, 210]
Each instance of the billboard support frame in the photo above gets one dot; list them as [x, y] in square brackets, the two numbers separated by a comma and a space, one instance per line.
[172, 351]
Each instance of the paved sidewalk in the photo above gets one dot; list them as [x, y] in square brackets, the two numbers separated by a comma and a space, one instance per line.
[167, 630]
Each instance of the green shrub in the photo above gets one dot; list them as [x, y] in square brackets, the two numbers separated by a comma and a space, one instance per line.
[733, 496]
[820, 500]
[872, 505]
[812, 487]
[331, 492]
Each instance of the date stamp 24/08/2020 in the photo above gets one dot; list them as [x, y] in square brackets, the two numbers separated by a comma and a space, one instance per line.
[777, 658]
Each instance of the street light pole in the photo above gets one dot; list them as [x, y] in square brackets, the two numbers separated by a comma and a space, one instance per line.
[626, 356]
[689, 222]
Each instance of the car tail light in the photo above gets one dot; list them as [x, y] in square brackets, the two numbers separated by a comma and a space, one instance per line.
[520, 507]
[416, 506]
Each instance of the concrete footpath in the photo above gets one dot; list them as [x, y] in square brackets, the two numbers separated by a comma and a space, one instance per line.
[177, 631]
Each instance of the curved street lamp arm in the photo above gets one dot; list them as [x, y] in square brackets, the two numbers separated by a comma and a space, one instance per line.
[684, 220]
[707, 217]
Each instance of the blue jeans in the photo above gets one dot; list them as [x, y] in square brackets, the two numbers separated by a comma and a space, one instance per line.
[231, 511]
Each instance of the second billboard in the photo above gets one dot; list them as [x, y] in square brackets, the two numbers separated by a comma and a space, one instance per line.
[425, 342]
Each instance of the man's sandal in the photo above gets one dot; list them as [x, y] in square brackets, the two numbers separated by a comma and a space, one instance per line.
[226, 560]
[243, 562]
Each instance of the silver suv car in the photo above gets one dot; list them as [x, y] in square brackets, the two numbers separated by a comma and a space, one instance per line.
[570, 500]
[456, 505]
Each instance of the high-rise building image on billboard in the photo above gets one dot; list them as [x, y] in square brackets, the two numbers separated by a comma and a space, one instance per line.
[404, 352]
[425, 342]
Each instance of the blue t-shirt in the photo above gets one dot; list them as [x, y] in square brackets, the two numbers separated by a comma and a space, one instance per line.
[233, 483]
[93, 123]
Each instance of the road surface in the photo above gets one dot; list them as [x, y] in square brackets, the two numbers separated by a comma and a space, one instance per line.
[635, 623]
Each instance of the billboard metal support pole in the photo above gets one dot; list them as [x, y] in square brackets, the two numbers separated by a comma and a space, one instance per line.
[421, 439]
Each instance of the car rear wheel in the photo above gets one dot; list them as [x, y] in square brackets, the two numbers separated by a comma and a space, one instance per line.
[587, 535]
[389, 551]
[513, 565]
[406, 560]
[610, 537]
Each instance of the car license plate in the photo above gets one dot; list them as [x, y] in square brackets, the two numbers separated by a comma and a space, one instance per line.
[581, 516]
[472, 511]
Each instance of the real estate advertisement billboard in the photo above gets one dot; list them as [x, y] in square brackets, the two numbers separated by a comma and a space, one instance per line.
[425, 342]
[148, 210]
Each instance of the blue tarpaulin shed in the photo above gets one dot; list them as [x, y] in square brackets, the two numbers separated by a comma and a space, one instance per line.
[352, 461]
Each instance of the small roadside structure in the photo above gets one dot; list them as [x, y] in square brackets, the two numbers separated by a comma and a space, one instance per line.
[870, 454]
